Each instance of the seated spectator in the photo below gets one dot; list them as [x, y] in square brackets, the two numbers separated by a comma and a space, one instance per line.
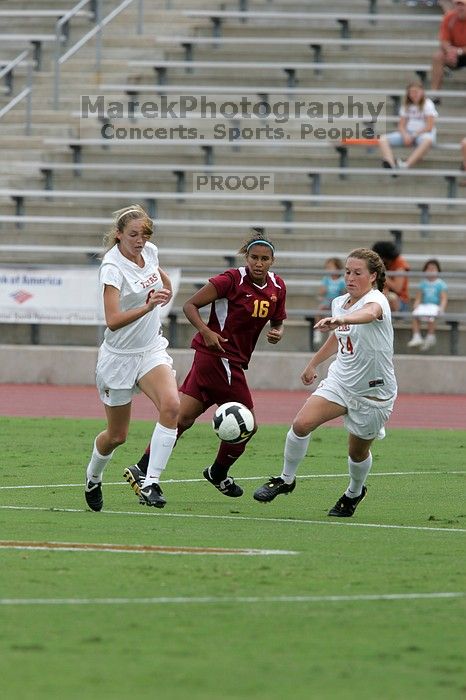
[416, 127]
[452, 51]
[396, 286]
[430, 301]
[332, 285]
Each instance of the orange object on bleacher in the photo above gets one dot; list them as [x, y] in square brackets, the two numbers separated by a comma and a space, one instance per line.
[360, 142]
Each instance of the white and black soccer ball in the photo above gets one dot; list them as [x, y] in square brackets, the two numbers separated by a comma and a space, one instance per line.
[233, 422]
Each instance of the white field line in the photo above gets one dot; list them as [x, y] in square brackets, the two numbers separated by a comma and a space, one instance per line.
[239, 478]
[288, 521]
[217, 600]
[139, 549]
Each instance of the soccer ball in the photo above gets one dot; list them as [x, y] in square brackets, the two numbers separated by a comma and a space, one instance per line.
[233, 422]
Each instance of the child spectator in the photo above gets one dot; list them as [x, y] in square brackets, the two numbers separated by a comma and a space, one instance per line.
[332, 285]
[416, 127]
[430, 301]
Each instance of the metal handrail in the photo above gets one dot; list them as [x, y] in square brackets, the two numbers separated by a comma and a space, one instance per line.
[60, 26]
[96, 30]
[14, 101]
[61, 35]
[7, 71]
[25, 93]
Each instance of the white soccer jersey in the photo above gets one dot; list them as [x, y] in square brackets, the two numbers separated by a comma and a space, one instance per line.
[134, 284]
[364, 361]
[417, 116]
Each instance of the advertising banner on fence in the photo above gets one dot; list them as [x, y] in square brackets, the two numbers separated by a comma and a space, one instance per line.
[56, 295]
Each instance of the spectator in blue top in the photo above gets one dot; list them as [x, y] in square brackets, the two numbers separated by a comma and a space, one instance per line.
[332, 285]
[430, 301]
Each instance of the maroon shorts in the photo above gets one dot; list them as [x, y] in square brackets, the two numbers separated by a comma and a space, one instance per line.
[213, 380]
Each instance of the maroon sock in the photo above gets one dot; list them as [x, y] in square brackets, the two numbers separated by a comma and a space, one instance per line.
[226, 456]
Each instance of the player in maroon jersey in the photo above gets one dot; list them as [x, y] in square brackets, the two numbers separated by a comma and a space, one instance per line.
[242, 301]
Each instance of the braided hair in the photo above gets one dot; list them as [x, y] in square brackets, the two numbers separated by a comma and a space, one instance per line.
[374, 264]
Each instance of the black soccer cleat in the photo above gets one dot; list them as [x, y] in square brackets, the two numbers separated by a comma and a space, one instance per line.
[273, 488]
[227, 486]
[345, 506]
[152, 495]
[93, 495]
[135, 478]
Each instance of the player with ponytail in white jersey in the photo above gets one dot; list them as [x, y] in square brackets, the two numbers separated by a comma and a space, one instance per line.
[360, 385]
[133, 354]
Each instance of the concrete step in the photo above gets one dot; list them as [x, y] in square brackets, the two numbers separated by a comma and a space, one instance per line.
[246, 210]
[286, 184]
[308, 239]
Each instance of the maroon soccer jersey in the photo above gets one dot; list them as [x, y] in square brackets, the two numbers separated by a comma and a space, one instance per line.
[241, 312]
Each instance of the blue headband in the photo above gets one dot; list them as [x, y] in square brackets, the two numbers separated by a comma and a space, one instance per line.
[260, 241]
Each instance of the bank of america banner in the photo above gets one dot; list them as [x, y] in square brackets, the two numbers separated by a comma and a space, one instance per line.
[65, 295]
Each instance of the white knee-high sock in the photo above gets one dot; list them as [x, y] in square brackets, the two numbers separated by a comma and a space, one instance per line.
[294, 453]
[97, 464]
[161, 446]
[358, 472]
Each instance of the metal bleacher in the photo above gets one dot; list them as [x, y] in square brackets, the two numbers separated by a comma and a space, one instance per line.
[60, 183]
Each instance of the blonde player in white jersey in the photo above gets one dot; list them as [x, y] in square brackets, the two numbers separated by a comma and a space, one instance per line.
[133, 354]
[360, 385]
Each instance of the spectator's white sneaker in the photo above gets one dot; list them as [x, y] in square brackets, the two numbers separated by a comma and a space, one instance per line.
[401, 164]
[416, 341]
[429, 342]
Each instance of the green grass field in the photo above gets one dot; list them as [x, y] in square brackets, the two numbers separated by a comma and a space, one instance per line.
[371, 607]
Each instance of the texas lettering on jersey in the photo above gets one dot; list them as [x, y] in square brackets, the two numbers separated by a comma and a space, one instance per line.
[149, 281]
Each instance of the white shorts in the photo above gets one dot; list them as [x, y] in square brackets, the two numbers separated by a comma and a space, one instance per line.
[429, 311]
[117, 374]
[365, 417]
